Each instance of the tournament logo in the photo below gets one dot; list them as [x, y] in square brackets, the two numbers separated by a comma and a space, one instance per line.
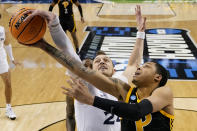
[172, 48]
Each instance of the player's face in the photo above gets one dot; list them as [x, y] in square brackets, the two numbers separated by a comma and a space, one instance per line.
[145, 74]
[103, 64]
[87, 63]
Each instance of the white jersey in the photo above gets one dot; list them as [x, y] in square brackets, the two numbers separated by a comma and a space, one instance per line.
[89, 118]
[3, 56]
[2, 36]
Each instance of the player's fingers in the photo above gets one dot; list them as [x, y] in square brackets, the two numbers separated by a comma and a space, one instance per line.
[68, 94]
[74, 79]
[66, 89]
[29, 11]
[29, 16]
[81, 84]
[70, 83]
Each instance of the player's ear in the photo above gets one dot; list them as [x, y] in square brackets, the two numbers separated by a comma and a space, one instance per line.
[157, 77]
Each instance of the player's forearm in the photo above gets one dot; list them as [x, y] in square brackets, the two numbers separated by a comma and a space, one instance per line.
[124, 110]
[137, 53]
[61, 39]
[70, 124]
[70, 119]
[52, 5]
[97, 79]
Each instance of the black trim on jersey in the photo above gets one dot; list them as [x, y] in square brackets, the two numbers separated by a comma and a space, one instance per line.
[133, 111]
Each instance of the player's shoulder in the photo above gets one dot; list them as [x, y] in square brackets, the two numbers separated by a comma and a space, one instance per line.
[164, 91]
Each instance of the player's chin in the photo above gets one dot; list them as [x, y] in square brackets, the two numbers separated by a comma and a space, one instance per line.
[104, 72]
[135, 78]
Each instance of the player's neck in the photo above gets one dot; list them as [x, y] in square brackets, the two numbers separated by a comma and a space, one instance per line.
[146, 91]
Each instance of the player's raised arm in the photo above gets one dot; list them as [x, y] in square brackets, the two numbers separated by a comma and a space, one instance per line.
[137, 53]
[109, 85]
[61, 39]
[53, 4]
[59, 36]
[76, 2]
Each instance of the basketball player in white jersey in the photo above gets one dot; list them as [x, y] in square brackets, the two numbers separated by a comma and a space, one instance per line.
[5, 72]
[90, 118]
[86, 116]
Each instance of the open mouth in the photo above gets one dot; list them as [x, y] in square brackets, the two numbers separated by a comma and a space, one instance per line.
[102, 68]
[136, 74]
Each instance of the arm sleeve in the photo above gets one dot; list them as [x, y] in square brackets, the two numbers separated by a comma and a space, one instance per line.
[127, 111]
[62, 41]
[8, 49]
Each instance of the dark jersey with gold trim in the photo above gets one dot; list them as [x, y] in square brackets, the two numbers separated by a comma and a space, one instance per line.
[158, 121]
[65, 7]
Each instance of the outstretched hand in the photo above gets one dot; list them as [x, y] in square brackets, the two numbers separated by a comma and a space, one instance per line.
[48, 16]
[16, 63]
[78, 91]
[141, 21]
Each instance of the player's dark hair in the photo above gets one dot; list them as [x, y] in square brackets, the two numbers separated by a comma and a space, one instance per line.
[163, 72]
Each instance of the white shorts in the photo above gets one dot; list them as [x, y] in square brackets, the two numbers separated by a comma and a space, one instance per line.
[4, 67]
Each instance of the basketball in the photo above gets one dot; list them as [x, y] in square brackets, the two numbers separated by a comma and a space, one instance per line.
[27, 32]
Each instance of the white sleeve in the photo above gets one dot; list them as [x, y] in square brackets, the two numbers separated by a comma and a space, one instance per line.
[2, 35]
[61, 39]
[8, 49]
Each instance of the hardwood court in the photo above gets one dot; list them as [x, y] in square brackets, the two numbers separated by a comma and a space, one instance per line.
[37, 98]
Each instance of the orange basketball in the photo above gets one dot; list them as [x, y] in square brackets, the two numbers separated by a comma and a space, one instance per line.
[27, 32]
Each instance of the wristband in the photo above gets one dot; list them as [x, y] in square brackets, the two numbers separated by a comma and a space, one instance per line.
[140, 35]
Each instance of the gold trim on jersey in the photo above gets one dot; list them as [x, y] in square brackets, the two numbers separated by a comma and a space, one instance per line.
[128, 95]
[74, 24]
[171, 117]
[167, 114]
[71, 1]
[138, 99]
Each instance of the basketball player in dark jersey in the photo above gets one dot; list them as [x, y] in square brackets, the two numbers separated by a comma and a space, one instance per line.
[147, 107]
[66, 17]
